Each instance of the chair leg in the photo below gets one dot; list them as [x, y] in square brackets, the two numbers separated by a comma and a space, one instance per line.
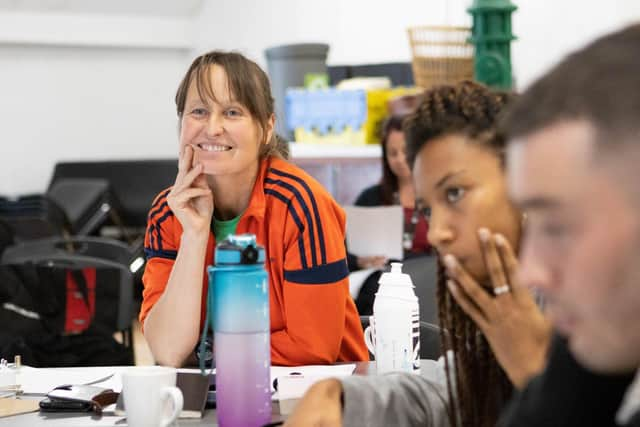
[127, 341]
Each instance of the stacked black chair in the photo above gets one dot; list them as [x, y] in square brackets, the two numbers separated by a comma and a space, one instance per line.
[34, 216]
[57, 231]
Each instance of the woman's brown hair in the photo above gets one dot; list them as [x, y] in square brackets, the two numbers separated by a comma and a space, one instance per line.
[248, 85]
[481, 387]
[389, 180]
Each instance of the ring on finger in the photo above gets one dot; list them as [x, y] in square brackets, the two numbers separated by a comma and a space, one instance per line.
[501, 289]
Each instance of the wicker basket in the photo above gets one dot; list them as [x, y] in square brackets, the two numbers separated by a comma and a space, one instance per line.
[441, 55]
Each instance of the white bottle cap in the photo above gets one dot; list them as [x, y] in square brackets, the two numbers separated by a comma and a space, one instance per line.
[396, 277]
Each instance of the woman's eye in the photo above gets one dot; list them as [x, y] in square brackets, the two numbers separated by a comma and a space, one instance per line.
[454, 194]
[554, 230]
[426, 212]
[233, 112]
[199, 112]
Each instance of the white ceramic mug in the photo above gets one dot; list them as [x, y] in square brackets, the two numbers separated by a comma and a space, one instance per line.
[150, 393]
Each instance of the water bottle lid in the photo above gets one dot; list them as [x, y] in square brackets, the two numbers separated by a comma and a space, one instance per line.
[239, 249]
[396, 277]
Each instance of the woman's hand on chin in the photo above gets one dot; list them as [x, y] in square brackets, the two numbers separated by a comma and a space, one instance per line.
[191, 199]
[515, 327]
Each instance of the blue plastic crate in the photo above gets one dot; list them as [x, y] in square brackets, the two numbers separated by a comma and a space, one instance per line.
[325, 110]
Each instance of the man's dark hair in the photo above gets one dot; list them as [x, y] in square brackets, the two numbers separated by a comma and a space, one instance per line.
[599, 84]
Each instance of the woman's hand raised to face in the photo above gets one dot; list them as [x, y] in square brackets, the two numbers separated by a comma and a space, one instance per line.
[378, 261]
[191, 199]
[515, 327]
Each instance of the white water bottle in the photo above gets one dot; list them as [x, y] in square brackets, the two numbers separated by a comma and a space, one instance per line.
[393, 334]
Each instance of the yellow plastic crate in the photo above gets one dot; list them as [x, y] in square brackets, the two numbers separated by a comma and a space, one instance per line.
[377, 109]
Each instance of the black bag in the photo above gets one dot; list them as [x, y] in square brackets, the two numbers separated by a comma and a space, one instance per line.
[33, 315]
[33, 312]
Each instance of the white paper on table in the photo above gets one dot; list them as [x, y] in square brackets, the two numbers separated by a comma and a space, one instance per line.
[305, 376]
[43, 380]
[375, 230]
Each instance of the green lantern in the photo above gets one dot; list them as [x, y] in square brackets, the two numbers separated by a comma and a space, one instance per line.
[491, 34]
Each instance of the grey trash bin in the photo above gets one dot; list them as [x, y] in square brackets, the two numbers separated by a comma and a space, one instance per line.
[287, 66]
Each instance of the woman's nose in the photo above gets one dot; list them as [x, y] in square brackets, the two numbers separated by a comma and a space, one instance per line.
[440, 233]
[214, 125]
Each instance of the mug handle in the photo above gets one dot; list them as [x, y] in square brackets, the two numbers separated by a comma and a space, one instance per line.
[174, 395]
[368, 339]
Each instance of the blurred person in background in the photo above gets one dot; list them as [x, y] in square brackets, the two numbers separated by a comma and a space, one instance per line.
[395, 188]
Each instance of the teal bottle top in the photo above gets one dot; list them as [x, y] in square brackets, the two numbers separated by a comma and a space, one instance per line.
[239, 249]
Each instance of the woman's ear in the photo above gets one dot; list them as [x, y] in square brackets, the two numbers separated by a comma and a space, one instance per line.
[269, 128]
[179, 128]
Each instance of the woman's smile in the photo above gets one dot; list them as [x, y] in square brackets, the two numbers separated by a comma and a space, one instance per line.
[214, 147]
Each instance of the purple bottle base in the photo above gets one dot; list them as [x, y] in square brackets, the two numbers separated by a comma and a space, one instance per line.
[242, 379]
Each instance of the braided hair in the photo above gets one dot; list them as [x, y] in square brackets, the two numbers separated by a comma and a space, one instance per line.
[476, 380]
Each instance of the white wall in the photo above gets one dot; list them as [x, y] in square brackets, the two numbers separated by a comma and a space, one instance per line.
[548, 30]
[373, 31]
[358, 31]
[67, 103]
[70, 102]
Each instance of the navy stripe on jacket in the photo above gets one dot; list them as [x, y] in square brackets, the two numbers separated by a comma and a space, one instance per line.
[320, 275]
[158, 229]
[150, 253]
[323, 254]
[160, 202]
[296, 219]
[305, 210]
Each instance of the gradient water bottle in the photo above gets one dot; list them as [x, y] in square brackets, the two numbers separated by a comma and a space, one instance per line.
[239, 306]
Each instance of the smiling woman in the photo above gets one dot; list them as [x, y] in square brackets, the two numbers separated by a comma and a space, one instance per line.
[232, 178]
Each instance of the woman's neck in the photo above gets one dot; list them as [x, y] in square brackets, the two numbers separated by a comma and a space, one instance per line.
[232, 193]
[406, 193]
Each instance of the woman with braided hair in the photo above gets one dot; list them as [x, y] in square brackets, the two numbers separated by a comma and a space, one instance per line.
[496, 337]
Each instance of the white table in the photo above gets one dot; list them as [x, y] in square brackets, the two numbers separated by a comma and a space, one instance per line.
[108, 418]
[47, 379]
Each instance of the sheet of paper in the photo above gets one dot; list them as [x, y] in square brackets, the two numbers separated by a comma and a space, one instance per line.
[312, 373]
[43, 380]
[375, 231]
[326, 370]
